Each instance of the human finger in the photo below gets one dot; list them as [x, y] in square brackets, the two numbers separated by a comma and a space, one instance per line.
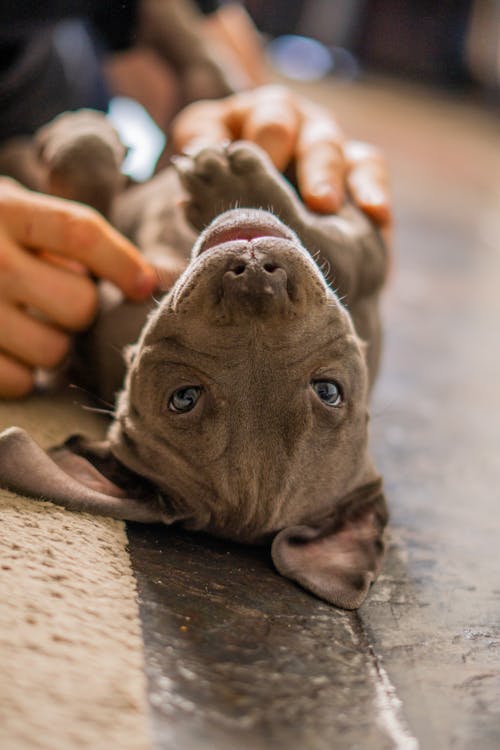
[201, 124]
[65, 298]
[320, 162]
[368, 181]
[16, 380]
[270, 119]
[267, 116]
[77, 232]
[30, 341]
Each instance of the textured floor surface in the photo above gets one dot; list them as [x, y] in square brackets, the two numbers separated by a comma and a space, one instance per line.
[71, 656]
[237, 657]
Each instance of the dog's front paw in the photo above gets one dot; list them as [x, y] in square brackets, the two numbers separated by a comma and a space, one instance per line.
[81, 154]
[223, 177]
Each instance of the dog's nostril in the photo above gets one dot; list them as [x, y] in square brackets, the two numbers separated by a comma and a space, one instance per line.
[239, 269]
[270, 267]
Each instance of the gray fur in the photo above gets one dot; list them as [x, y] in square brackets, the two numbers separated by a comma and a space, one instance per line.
[252, 321]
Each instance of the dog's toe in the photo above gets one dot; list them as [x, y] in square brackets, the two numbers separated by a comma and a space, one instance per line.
[245, 158]
[211, 164]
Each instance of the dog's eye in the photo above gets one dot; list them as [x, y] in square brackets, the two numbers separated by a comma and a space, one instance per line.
[184, 399]
[328, 391]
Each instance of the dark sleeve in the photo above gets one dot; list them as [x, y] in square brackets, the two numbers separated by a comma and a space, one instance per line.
[116, 20]
[208, 6]
[113, 20]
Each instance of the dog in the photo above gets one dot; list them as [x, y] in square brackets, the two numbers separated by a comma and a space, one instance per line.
[244, 409]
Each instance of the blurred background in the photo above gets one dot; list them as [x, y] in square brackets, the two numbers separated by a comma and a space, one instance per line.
[66, 54]
[453, 43]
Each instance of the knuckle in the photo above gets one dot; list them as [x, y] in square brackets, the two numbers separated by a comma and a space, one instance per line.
[275, 92]
[325, 158]
[320, 139]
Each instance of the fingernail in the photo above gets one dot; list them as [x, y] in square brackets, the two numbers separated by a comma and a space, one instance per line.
[325, 197]
[375, 203]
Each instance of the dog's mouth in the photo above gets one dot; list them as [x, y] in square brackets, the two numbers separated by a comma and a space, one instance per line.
[253, 265]
[232, 227]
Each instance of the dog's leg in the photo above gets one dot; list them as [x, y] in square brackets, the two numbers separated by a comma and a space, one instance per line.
[81, 155]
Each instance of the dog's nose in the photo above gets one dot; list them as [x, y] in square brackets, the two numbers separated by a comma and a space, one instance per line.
[256, 285]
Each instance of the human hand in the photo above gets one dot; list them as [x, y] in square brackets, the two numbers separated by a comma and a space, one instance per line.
[289, 127]
[48, 246]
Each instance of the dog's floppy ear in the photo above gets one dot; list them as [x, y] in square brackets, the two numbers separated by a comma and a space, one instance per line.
[340, 557]
[68, 477]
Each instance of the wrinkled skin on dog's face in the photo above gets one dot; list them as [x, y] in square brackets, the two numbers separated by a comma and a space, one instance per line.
[246, 397]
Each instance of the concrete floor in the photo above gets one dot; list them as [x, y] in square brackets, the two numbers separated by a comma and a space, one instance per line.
[238, 657]
[435, 618]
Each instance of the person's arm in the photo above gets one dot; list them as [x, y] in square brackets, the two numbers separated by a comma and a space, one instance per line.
[48, 246]
[291, 128]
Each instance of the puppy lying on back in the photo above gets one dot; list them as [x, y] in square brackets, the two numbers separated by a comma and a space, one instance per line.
[244, 410]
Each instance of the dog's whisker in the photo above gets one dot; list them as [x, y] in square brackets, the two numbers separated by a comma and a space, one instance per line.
[93, 396]
[325, 269]
[116, 349]
[96, 410]
[163, 284]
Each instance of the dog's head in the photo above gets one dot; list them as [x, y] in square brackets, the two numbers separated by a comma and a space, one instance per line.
[246, 396]
[245, 407]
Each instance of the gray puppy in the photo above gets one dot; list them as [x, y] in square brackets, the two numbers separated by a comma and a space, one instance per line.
[244, 410]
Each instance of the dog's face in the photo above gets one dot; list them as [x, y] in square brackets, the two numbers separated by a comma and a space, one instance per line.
[245, 406]
[246, 399]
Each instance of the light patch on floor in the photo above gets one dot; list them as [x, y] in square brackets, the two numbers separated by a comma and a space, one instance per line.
[71, 652]
[72, 670]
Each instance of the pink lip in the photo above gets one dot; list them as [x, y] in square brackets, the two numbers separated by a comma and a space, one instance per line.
[240, 232]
